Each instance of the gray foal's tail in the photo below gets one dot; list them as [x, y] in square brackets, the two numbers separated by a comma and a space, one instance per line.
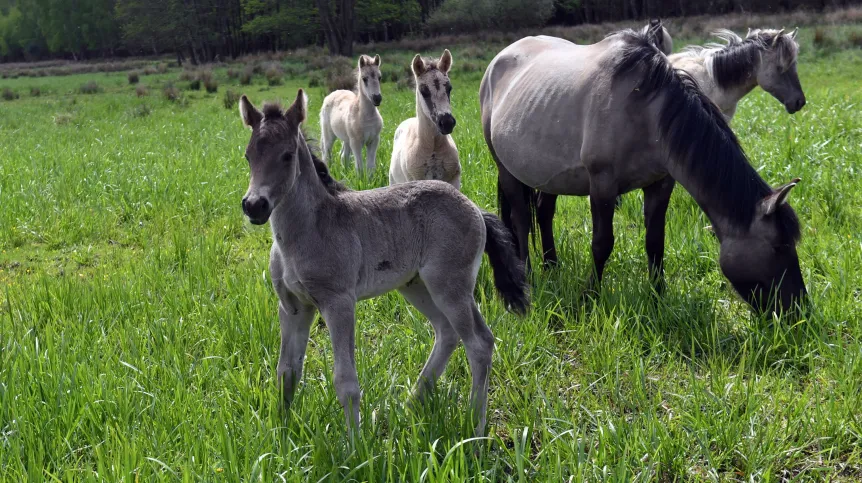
[509, 276]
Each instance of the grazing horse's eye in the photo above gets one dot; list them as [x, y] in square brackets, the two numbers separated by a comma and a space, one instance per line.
[425, 91]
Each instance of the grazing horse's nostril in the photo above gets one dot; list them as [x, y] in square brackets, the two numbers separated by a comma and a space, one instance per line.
[446, 123]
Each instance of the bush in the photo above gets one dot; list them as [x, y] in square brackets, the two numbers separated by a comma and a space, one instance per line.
[340, 77]
[211, 85]
[187, 75]
[162, 68]
[140, 111]
[195, 84]
[273, 75]
[855, 39]
[142, 91]
[62, 118]
[315, 79]
[232, 74]
[231, 98]
[247, 75]
[9, 94]
[405, 83]
[133, 78]
[90, 88]
[35, 92]
[171, 93]
[467, 15]
[149, 70]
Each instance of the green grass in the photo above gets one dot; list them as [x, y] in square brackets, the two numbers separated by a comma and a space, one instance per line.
[138, 329]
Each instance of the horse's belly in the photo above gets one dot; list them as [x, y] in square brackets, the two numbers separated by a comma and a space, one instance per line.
[549, 164]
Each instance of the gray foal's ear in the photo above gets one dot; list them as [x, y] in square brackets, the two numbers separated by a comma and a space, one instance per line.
[778, 197]
[376, 60]
[298, 111]
[251, 117]
[418, 65]
[445, 62]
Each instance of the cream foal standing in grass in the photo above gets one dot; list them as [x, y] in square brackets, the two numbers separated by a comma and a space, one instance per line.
[353, 117]
[423, 148]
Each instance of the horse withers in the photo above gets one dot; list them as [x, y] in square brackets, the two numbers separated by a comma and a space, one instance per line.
[608, 118]
[353, 117]
[332, 247]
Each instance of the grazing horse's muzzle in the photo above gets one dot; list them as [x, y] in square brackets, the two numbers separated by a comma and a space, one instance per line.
[795, 105]
[257, 209]
[446, 123]
[377, 99]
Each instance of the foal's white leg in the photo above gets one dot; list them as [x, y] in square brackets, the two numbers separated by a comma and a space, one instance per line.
[371, 154]
[456, 301]
[295, 320]
[340, 317]
[445, 337]
[345, 152]
[356, 147]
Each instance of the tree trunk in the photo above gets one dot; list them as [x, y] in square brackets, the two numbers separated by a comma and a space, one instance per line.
[338, 19]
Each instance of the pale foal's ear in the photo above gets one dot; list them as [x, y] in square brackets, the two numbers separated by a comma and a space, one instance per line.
[445, 62]
[299, 109]
[363, 61]
[778, 197]
[251, 117]
[377, 60]
[418, 65]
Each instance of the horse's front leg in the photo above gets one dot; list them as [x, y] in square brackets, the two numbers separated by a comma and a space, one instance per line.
[603, 193]
[356, 146]
[545, 210]
[295, 320]
[656, 200]
[371, 154]
[339, 313]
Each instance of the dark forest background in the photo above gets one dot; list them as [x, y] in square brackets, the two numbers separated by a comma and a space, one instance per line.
[199, 31]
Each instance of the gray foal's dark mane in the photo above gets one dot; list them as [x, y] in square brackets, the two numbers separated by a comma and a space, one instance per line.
[697, 136]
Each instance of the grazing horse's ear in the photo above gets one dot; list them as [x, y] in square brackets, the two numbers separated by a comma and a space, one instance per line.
[418, 65]
[251, 117]
[778, 197]
[445, 62]
[777, 36]
[298, 111]
[376, 60]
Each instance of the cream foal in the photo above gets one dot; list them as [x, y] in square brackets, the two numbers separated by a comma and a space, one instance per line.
[423, 148]
[354, 118]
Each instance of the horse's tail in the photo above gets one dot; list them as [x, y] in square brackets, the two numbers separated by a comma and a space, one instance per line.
[509, 274]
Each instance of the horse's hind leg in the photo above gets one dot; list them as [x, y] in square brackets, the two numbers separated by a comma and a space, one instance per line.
[327, 139]
[545, 210]
[345, 152]
[517, 196]
[455, 299]
[656, 200]
[445, 337]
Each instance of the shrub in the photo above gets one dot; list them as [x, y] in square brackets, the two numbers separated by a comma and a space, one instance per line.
[62, 118]
[247, 74]
[231, 98]
[142, 110]
[232, 74]
[162, 67]
[211, 85]
[315, 79]
[187, 75]
[149, 70]
[9, 94]
[133, 78]
[855, 39]
[195, 84]
[273, 75]
[405, 83]
[35, 92]
[171, 93]
[90, 88]
[340, 77]
[142, 91]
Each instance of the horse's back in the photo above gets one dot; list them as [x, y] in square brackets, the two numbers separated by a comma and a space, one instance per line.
[541, 92]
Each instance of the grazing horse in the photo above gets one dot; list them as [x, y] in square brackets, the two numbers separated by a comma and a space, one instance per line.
[353, 117]
[726, 74]
[620, 117]
[658, 35]
[332, 247]
[423, 147]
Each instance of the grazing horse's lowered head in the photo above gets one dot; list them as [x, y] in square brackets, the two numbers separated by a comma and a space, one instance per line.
[765, 57]
[433, 89]
[369, 78]
[272, 154]
[659, 35]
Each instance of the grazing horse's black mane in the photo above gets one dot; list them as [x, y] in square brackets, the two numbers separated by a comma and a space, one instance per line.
[278, 120]
[697, 136]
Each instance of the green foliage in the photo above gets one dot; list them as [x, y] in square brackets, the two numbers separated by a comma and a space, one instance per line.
[467, 15]
[9, 95]
[91, 87]
[230, 99]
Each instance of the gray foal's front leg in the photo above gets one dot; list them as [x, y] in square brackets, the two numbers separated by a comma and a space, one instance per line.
[340, 317]
[295, 320]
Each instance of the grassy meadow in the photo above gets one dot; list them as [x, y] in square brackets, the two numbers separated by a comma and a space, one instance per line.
[139, 334]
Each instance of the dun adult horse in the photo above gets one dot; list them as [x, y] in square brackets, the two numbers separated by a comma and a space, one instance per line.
[726, 74]
[423, 147]
[332, 246]
[353, 117]
[620, 117]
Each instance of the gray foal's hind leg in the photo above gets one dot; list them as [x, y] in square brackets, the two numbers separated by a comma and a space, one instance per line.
[455, 299]
[445, 337]
[295, 320]
[340, 317]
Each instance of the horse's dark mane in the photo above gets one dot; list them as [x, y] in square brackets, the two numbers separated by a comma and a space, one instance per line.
[697, 136]
[275, 120]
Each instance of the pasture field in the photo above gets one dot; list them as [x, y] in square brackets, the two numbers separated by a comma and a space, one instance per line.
[139, 336]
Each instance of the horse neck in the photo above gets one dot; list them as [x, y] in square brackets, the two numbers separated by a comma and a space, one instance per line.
[731, 94]
[296, 214]
[428, 132]
[365, 106]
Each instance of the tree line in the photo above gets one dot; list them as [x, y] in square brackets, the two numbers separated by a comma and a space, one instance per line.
[198, 31]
